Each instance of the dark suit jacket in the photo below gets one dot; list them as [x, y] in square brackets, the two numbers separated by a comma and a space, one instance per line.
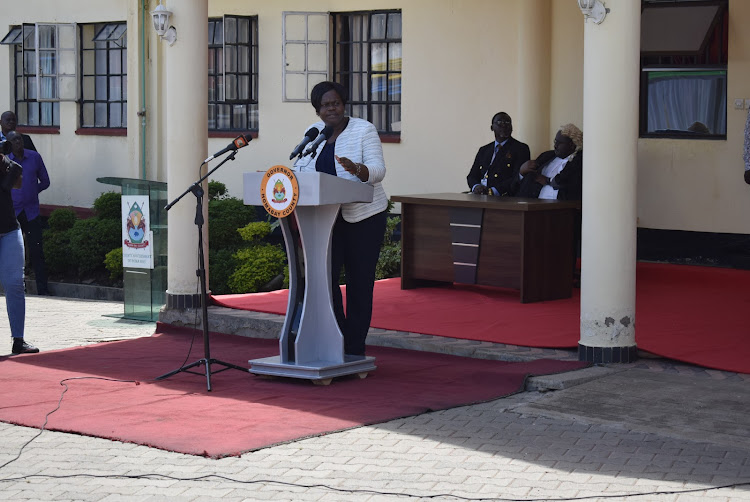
[569, 181]
[501, 173]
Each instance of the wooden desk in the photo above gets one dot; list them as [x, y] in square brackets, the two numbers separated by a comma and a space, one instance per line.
[524, 244]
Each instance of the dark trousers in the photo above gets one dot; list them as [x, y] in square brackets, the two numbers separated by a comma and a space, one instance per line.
[32, 231]
[356, 248]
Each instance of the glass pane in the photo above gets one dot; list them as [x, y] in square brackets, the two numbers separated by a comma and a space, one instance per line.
[124, 64]
[211, 32]
[212, 89]
[294, 26]
[219, 33]
[223, 120]
[47, 115]
[317, 57]
[115, 89]
[379, 117]
[230, 30]
[18, 57]
[23, 114]
[239, 119]
[394, 88]
[395, 118]
[219, 60]
[47, 38]
[124, 115]
[244, 87]
[66, 34]
[89, 62]
[211, 116]
[66, 62]
[48, 88]
[13, 36]
[231, 86]
[394, 57]
[115, 115]
[114, 62]
[118, 34]
[100, 114]
[124, 89]
[28, 37]
[378, 87]
[88, 90]
[87, 35]
[687, 102]
[104, 32]
[244, 31]
[359, 111]
[88, 115]
[101, 62]
[101, 88]
[378, 57]
[357, 91]
[243, 59]
[211, 61]
[47, 62]
[56, 113]
[220, 88]
[394, 26]
[29, 59]
[31, 88]
[230, 58]
[33, 114]
[378, 26]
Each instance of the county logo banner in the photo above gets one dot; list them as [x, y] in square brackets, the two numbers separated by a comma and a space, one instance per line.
[279, 191]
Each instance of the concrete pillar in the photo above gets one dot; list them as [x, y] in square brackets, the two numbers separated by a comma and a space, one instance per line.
[186, 97]
[534, 40]
[610, 128]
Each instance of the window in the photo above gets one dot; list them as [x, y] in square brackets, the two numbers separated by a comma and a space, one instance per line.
[305, 53]
[684, 69]
[42, 77]
[367, 61]
[233, 73]
[104, 57]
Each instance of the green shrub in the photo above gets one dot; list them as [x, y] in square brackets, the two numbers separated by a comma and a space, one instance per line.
[61, 219]
[108, 206]
[91, 240]
[389, 261]
[216, 190]
[257, 266]
[113, 263]
[57, 256]
[225, 216]
[255, 231]
[222, 265]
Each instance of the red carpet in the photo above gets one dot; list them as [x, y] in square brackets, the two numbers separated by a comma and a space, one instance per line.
[691, 314]
[243, 412]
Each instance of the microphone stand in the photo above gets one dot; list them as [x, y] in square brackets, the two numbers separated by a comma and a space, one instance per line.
[197, 190]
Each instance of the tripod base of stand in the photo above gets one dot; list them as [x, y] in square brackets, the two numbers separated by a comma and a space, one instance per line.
[317, 371]
[207, 363]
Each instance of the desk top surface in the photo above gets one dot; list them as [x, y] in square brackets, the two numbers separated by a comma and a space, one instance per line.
[486, 202]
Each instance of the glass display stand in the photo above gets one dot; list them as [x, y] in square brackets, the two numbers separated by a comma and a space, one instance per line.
[144, 289]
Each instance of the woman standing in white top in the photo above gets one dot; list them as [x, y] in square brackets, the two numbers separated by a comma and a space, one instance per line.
[352, 151]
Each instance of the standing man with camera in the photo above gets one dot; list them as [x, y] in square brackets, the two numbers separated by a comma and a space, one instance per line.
[26, 205]
[12, 257]
[8, 124]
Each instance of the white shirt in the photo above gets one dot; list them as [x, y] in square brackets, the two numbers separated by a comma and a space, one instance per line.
[552, 169]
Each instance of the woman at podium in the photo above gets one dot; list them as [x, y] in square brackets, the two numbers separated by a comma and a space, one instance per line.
[351, 150]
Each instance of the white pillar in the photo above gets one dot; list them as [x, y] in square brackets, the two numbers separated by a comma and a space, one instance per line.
[186, 123]
[610, 128]
[534, 40]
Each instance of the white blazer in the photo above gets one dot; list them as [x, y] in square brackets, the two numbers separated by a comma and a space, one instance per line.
[360, 143]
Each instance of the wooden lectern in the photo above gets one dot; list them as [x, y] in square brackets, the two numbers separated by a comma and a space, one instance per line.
[311, 345]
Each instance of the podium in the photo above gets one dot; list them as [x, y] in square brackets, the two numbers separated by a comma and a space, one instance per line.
[311, 345]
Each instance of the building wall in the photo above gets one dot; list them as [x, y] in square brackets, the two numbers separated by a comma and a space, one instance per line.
[460, 67]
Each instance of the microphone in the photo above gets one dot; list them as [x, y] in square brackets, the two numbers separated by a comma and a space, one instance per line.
[310, 135]
[324, 135]
[236, 144]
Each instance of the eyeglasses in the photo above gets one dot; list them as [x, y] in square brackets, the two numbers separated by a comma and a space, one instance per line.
[502, 122]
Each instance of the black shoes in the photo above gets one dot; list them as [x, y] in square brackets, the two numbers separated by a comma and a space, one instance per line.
[21, 347]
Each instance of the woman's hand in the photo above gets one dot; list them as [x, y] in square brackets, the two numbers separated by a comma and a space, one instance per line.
[358, 170]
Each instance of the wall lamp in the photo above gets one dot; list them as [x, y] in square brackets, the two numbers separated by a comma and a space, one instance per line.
[593, 9]
[161, 24]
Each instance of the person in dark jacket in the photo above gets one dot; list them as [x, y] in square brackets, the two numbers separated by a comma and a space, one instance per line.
[555, 174]
[496, 164]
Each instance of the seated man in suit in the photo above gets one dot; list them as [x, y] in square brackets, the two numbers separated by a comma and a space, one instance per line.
[496, 164]
[555, 174]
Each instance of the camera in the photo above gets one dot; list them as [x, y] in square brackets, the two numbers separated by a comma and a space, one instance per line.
[5, 147]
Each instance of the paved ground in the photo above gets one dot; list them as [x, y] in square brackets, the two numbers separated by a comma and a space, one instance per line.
[650, 431]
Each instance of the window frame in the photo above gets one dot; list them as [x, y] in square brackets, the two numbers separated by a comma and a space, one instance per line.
[706, 58]
[217, 74]
[110, 46]
[345, 76]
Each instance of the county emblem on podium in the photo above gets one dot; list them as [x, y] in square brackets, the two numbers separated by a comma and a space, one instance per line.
[279, 191]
